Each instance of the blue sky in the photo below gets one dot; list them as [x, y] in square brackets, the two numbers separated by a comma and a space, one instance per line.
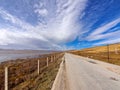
[58, 24]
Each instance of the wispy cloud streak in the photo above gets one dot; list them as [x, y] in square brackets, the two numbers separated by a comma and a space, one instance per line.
[57, 25]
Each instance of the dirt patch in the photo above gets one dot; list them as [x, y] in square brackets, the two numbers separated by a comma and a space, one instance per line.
[113, 78]
[92, 62]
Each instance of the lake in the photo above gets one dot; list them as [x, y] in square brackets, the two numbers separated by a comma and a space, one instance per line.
[15, 54]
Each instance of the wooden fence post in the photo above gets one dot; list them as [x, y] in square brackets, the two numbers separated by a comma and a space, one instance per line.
[47, 61]
[51, 59]
[54, 58]
[38, 67]
[6, 78]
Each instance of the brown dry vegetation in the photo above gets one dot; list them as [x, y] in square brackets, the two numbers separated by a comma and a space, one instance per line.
[23, 73]
[101, 53]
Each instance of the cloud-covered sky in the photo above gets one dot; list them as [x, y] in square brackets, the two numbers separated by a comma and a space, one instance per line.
[58, 24]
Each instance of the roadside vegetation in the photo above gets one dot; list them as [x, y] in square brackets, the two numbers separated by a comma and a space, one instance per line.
[23, 73]
[108, 53]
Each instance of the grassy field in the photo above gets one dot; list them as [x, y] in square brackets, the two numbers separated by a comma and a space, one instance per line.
[109, 53]
[23, 73]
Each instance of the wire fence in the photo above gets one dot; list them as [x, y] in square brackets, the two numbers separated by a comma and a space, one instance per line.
[23, 72]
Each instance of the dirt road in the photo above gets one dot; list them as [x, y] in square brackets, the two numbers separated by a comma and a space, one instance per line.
[87, 74]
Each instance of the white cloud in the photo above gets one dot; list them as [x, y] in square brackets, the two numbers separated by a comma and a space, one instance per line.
[42, 12]
[60, 26]
[106, 27]
[64, 27]
[104, 36]
[99, 33]
[14, 20]
[109, 41]
[40, 9]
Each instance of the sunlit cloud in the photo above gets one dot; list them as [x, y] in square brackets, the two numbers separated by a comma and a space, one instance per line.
[55, 27]
[58, 24]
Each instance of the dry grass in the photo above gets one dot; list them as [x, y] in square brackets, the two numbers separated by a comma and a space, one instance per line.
[101, 53]
[23, 73]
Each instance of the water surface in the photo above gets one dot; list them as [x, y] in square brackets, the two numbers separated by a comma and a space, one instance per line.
[14, 54]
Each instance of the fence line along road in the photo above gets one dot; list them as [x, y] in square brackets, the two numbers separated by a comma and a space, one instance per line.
[49, 59]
